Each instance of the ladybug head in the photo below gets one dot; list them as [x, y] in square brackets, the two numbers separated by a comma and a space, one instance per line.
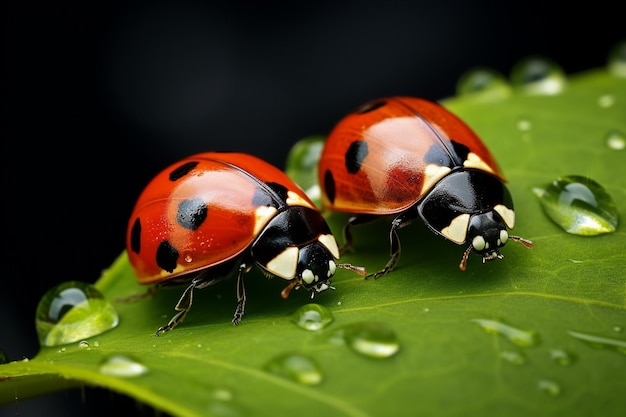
[488, 233]
[316, 266]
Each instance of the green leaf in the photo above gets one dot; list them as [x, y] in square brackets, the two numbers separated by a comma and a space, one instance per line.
[542, 332]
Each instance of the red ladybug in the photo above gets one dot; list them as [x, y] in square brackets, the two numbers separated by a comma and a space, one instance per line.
[412, 159]
[213, 214]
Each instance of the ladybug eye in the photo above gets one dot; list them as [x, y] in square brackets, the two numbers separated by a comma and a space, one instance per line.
[479, 243]
[504, 236]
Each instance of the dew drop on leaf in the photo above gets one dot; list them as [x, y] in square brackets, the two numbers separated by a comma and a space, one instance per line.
[519, 337]
[122, 366]
[312, 317]
[561, 357]
[600, 342]
[513, 357]
[73, 311]
[484, 84]
[538, 75]
[296, 367]
[579, 205]
[616, 140]
[549, 387]
[369, 338]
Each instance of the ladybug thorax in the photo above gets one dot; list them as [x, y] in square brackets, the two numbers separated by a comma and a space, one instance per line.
[487, 233]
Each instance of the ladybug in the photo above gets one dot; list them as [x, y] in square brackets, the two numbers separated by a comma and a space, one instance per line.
[215, 214]
[412, 159]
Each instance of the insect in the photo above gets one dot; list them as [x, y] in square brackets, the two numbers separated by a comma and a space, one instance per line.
[215, 214]
[411, 159]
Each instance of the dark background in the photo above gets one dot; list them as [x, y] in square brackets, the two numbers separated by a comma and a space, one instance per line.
[99, 96]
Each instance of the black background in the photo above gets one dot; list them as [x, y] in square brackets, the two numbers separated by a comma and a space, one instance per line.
[99, 96]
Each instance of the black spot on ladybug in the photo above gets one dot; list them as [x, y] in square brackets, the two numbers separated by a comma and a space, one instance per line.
[191, 213]
[355, 155]
[135, 236]
[182, 170]
[329, 185]
[367, 107]
[451, 156]
[273, 195]
[166, 256]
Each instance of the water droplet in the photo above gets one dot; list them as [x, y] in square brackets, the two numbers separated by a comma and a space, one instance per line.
[83, 344]
[369, 338]
[312, 317]
[512, 357]
[549, 387]
[606, 100]
[73, 311]
[561, 357]
[617, 329]
[122, 366]
[601, 342]
[296, 367]
[188, 258]
[484, 84]
[579, 205]
[524, 124]
[538, 75]
[616, 140]
[517, 336]
[617, 60]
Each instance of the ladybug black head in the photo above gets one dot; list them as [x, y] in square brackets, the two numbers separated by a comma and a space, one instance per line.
[488, 233]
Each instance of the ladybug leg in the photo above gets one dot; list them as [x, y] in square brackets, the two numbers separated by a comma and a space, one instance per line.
[183, 306]
[394, 243]
[241, 294]
[347, 234]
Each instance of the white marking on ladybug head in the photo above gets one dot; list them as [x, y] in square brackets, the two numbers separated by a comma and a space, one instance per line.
[475, 161]
[432, 174]
[262, 215]
[507, 215]
[479, 243]
[332, 268]
[329, 242]
[285, 263]
[308, 277]
[456, 231]
[504, 236]
[293, 199]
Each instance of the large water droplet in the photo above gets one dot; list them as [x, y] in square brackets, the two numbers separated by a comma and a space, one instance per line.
[296, 367]
[616, 140]
[617, 60]
[483, 84]
[122, 366]
[600, 342]
[72, 311]
[373, 339]
[520, 337]
[579, 205]
[538, 75]
[312, 317]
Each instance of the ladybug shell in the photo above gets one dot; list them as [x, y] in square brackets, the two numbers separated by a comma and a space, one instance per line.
[203, 211]
[389, 153]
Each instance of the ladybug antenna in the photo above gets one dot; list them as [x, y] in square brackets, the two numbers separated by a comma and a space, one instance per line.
[285, 292]
[358, 269]
[463, 263]
[525, 242]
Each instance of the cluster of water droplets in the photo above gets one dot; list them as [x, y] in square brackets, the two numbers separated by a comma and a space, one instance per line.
[521, 339]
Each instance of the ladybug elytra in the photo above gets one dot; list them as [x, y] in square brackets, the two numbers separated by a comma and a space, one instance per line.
[214, 214]
[412, 159]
